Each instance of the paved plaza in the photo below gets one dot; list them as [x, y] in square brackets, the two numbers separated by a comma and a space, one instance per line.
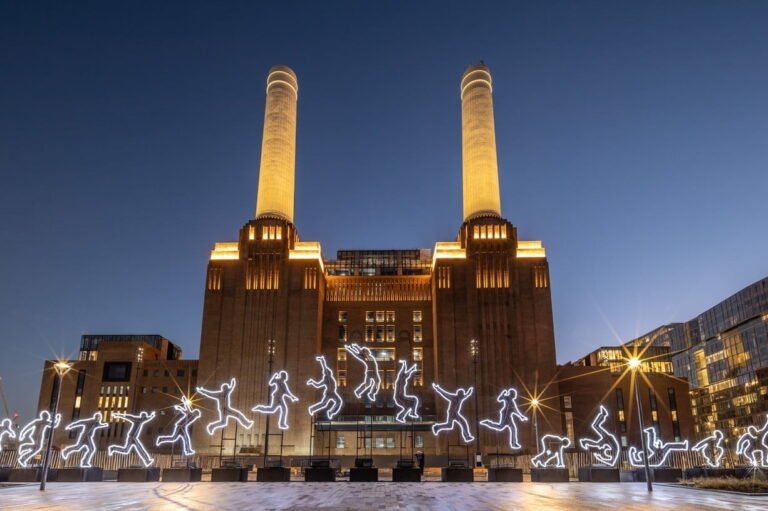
[369, 496]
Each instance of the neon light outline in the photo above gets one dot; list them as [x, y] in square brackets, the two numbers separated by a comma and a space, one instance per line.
[554, 454]
[226, 411]
[411, 407]
[370, 385]
[654, 446]
[280, 392]
[185, 417]
[133, 437]
[711, 444]
[86, 439]
[509, 410]
[331, 401]
[749, 443]
[6, 429]
[29, 446]
[606, 444]
[453, 415]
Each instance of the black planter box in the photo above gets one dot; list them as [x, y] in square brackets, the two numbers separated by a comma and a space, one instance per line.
[319, 474]
[505, 475]
[363, 474]
[599, 474]
[690, 473]
[80, 475]
[273, 475]
[457, 475]
[660, 474]
[182, 475]
[138, 475]
[550, 475]
[229, 475]
[406, 475]
[31, 475]
[5, 473]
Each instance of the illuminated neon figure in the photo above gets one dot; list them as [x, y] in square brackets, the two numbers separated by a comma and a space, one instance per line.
[223, 398]
[277, 399]
[331, 401]
[407, 404]
[86, 439]
[185, 417]
[32, 436]
[453, 416]
[712, 445]
[133, 437]
[372, 377]
[552, 447]
[657, 451]
[606, 444]
[507, 415]
[6, 430]
[753, 445]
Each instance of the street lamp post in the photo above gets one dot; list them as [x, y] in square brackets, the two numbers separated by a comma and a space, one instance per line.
[634, 365]
[270, 359]
[474, 350]
[61, 369]
[535, 406]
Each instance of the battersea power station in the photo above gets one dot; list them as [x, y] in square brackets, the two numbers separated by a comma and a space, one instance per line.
[472, 312]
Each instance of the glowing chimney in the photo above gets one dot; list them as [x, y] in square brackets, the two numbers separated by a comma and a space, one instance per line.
[278, 146]
[478, 144]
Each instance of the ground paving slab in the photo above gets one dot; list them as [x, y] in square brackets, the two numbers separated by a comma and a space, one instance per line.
[381, 496]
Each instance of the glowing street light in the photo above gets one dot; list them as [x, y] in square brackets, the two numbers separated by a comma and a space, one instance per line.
[474, 351]
[61, 367]
[634, 364]
[535, 405]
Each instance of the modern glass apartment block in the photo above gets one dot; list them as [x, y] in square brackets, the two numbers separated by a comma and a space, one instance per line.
[724, 354]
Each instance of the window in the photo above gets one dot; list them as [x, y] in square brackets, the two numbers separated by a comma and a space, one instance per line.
[384, 354]
[343, 316]
[368, 333]
[155, 373]
[342, 333]
[117, 371]
[179, 372]
[569, 426]
[567, 402]
[390, 316]
[379, 316]
[390, 333]
[369, 316]
[419, 441]
[341, 355]
[146, 373]
[341, 443]
[379, 333]
[417, 333]
[418, 354]
[417, 316]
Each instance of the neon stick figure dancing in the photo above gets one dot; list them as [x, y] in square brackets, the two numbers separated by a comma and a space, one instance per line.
[551, 453]
[372, 378]
[32, 436]
[132, 438]
[711, 446]
[185, 417]
[331, 401]
[278, 397]
[226, 411]
[453, 416]
[606, 444]
[407, 404]
[753, 445]
[657, 451]
[507, 415]
[6, 430]
[86, 439]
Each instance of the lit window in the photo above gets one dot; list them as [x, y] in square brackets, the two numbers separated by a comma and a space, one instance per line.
[384, 354]
[368, 333]
[390, 316]
[417, 316]
[340, 441]
[379, 316]
[369, 316]
[417, 333]
[567, 402]
[343, 316]
[341, 355]
[418, 354]
[342, 333]
[77, 401]
[390, 333]
[379, 333]
[419, 441]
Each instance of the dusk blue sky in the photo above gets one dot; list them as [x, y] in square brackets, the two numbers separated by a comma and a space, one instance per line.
[632, 139]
